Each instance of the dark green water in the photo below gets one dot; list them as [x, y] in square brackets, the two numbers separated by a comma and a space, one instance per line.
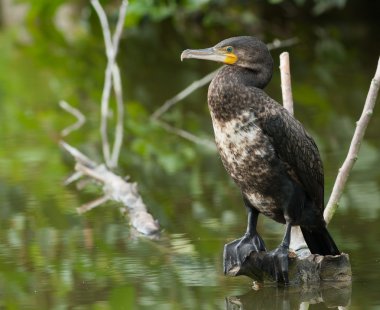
[53, 258]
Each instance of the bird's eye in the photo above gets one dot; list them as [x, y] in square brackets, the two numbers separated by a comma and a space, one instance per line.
[229, 49]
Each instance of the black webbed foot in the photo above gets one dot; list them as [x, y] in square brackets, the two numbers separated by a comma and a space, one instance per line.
[280, 259]
[237, 251]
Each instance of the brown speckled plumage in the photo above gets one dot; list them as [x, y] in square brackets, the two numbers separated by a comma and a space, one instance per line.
[280, 155]
[266, 151]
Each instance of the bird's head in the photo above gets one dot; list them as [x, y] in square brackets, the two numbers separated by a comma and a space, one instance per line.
[245, 51]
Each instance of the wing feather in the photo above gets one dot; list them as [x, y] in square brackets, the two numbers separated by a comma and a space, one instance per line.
[294, 146]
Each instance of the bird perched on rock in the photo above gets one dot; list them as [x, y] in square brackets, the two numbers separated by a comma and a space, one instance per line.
[265, 150]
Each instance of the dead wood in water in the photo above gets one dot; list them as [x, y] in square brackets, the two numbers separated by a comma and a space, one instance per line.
[114, 187]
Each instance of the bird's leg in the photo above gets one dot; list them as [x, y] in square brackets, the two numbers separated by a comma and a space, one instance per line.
[281, 258]
[236, 252]
[251, 238]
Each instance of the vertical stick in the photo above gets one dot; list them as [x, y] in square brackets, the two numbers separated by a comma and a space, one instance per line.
[286, 84]
[297, 241]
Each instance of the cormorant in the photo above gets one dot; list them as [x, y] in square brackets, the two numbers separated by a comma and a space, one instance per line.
[266, 151]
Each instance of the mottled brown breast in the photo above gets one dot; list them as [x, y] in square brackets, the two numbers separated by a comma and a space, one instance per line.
[251, 161]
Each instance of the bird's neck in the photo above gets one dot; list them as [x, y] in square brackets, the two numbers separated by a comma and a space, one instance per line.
[228, 91]
[258, 77]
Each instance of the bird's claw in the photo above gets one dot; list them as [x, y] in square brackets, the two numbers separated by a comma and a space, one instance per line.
[237, 251]
[280, 258]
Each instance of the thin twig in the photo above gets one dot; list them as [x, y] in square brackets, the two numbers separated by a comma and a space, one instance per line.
[351, 158]
[187, 135]
[119, 26]
[183, 94]
[76, 113]
[105, 28]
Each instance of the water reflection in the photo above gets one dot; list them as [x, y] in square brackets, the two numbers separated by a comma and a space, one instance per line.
[331, 295]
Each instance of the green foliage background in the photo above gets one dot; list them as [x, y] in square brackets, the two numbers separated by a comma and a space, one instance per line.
[52, 258]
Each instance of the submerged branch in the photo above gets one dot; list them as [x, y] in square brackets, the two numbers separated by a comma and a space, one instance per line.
[117, 189]
[351, 158]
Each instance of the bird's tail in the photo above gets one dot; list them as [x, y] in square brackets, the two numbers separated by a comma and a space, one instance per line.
[320, 241]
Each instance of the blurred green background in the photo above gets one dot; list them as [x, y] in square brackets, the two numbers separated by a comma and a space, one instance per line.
[52, 258]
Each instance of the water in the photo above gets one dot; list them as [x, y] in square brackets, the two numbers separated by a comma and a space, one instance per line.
[53, 258]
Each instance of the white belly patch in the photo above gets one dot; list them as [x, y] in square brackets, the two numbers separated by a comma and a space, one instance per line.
[238, 141]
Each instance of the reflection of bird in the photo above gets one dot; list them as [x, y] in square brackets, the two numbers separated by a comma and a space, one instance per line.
[266, 151]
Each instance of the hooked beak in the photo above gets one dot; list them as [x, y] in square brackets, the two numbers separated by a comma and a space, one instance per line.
[212, 54]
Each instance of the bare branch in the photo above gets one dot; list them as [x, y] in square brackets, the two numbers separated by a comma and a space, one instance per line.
[117, 189]
[107, 80]
[105, 28]
[111, 45]
[351, 158]
[79, 157]
[183, 94]
[119, 129]
[119, 25]
[76, 113]
[73, 178]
